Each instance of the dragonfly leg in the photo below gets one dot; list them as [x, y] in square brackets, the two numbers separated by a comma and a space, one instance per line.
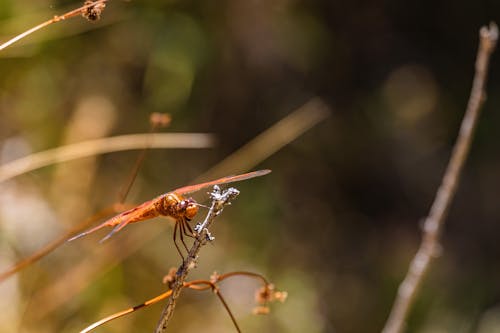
[191, 233]
[182, 233]
[175, 240]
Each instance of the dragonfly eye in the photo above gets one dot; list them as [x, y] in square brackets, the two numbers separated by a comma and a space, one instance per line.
[191, 208]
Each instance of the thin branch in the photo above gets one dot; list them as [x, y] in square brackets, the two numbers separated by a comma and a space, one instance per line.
[242, 273]
[85, 272]
[127, 311]
[157, 120]
[103, 146]
[433, 225]
[228, 310]
[57, 18]
[219, 200]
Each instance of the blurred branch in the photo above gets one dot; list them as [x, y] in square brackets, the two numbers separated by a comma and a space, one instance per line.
[58, 242]
[90, 10]
[97, 263]
[219, 200]
[429, 248]
[103, 146]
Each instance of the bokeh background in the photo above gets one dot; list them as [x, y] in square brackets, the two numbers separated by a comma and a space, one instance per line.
[337, 221]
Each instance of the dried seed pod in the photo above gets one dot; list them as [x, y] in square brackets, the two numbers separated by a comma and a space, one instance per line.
[93, 9]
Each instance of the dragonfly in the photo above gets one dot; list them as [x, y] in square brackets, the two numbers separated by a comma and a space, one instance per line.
[173, 204]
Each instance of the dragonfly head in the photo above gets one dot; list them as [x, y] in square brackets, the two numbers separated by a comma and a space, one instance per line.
[189, 207]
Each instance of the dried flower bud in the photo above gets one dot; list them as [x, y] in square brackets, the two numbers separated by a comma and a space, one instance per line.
[192, 265]
[268, 294]
[263, 295]
[93, 9]
[280, 296]
[261, 310]
[214, 278]
[160, 119]
[170, 278]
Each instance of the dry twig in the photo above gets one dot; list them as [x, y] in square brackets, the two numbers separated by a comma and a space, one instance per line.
[91, 10]
[433, 225]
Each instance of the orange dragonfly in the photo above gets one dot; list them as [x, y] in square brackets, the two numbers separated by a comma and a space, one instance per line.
[172, 204]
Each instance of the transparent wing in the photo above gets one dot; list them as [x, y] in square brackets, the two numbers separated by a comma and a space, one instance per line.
[223, 180]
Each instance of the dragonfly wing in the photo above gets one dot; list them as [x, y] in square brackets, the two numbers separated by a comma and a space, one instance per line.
[135, 214]
[223, 180]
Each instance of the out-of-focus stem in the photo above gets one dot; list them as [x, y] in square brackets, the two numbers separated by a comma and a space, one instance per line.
[434, 222]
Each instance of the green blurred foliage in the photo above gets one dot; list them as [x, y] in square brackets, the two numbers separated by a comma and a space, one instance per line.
[337, 221]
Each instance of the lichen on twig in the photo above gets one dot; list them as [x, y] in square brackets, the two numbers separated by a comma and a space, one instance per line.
[220, 199]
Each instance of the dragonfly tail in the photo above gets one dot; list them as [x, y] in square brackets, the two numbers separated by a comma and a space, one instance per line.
[108, 236]
[85, 233]
[115, 230]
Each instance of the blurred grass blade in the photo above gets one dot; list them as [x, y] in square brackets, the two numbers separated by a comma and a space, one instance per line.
[102, 146]
[271, 140]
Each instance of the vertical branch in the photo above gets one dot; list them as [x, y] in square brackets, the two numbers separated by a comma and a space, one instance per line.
[434, 222]
[219, 200]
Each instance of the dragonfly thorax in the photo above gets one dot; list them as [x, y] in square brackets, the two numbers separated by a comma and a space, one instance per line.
[178, 207]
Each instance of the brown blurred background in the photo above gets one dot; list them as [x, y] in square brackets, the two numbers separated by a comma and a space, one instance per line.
[337, 221]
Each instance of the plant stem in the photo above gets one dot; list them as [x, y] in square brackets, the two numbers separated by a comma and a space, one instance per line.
[429, 247]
